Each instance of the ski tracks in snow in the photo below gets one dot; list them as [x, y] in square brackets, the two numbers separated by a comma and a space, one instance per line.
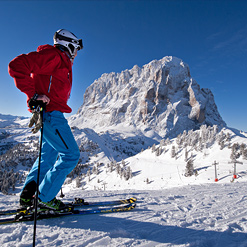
[203, 215]
[211, 215]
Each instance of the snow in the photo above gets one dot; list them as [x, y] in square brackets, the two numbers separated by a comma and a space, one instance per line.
[114, 125]
[9, 120]
[194, 215]
[172, 210]
[161, 95]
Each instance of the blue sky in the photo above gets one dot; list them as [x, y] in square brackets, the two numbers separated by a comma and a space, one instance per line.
[210, 36]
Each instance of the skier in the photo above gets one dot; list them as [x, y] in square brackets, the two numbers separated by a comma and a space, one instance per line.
[45, 77]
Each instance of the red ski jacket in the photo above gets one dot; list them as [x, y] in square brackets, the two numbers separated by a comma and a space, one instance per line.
[47, 71]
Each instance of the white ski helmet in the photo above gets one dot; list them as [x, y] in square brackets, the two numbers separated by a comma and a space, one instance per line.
[68, 40]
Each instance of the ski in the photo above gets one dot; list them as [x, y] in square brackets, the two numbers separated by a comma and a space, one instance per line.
[25, 215]
[78, 202]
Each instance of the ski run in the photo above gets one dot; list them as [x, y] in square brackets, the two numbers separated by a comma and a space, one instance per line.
[171, 209]
[213, 214]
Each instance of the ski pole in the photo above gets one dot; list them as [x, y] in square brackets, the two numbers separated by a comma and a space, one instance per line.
[38, 175]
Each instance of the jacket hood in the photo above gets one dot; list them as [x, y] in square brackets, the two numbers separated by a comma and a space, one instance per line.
[45, 47]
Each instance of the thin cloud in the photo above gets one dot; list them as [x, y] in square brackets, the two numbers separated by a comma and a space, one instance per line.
[229, 42]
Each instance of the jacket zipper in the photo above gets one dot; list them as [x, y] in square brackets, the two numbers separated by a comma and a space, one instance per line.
[49, 88]
[62, 139]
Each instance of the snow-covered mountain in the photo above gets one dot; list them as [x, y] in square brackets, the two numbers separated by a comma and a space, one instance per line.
[7, 121]
[161, 97]
[13, 130]
[121, 130]
[128, 112]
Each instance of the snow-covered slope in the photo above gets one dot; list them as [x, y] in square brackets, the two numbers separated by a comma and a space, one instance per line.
[158, 168]
[115, 154]
[7, 121]
[121, 131]
[212, 215]
[15, 126]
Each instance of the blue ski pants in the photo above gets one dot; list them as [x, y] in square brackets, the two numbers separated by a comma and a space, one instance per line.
[59, 156]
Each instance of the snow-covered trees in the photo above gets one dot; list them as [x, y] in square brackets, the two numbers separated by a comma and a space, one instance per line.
[20, 154]
[189, 171]
[186, 153]
[8, 180]
[243, 150]
[121, 169]
[158, 151]
[199, 139]
[95, 170]
[153, 148]
[244, 153]
[173, 152]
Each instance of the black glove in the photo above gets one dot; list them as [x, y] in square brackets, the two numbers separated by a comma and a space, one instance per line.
[36, 105]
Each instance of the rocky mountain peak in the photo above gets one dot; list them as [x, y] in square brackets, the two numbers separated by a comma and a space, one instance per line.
[161, 96]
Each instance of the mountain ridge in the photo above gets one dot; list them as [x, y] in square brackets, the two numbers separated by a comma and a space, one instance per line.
[114, 125]
[161, 96]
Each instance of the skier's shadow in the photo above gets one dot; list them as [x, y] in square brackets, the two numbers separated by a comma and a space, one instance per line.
[157, 233]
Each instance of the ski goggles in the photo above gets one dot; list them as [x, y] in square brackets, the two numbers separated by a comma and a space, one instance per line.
[77, 43]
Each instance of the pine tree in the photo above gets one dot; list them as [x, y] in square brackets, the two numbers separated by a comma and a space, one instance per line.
[158, 151]
[179, 140]
[242, 148]
[245, 154]
[118, 168]
[186, 153]
[200, 144]
[215, 129]
[189, 168]
[153, 148]
[167, 141]
[162, 142]
[222, 144]
[125, 175]
[234, 154]
[111, 167]
[95, 170]
[123, 163]
[228, 137]
[184, 137]
[129, 171]
[173, 152]
[77, 182]
[121, 173]
[88, 174]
